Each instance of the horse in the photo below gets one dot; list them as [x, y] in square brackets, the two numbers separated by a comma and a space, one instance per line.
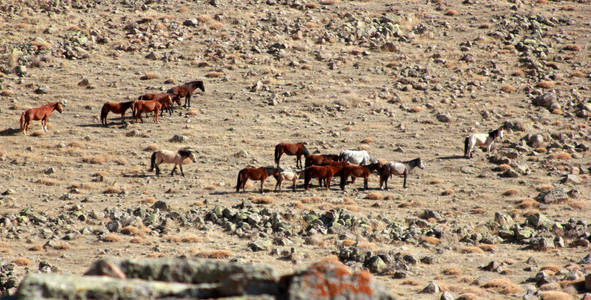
[162, 98]
[482, 140]
[287, 175]
[255, 174]
[373, 168]
[173, 157]
[186, 90]
[355, 171]
[320, 172]
[398, 168]
[141, 106]
[319, 159]
[118, 108]
[39, 113]
[358, 157]
[291, 149]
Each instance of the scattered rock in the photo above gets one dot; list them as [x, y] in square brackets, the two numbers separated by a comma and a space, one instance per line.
[553, 196]
[177, 138]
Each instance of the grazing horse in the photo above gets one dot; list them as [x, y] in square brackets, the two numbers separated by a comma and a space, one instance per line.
[118, 108]
[287, 175]
[358, 157]
[482, 140]
[320, 172]
[255, 174]
[291, 149]
[186, 90]
[162, 98]
[39, 113]
[177, 158]
[319, 159]
[355, 171]
[398, 168]
[141, 106]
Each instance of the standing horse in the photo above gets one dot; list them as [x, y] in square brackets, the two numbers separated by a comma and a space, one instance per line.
[255, 174]
[177, 158]
[141, 106]
[355, 171]
[287, 175]
[320, 172]
[398, 168]
[186, 90]
[291, 149]
[319, 159]
[39, 113]
[482, 140]
[358, 157]
[161, 97]
[118, 108]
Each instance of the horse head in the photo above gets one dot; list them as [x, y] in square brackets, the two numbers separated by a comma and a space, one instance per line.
[420, 163]
[188, 153]
[169, 100]
[59, 107]
[199, 84]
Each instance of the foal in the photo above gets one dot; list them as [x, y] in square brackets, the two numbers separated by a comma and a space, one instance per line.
[185, 90]
[255, 174]
[398, 168]
[176, 158]
[287, 175]
[482, 140]
[39, 113]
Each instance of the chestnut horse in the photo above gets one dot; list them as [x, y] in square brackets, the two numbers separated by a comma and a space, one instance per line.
[39, 113]
[355, 171]
[319, 159]
[141, 106]
[255, 174]
[291, 149]
[159, 97]
[186, 90]
[320, 172]
[118, 108]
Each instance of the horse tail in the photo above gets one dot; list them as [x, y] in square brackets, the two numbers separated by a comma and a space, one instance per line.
[277, 154]
[239, 181]
[466, 145]
[152, 161]
[104, 112]
[22, 120]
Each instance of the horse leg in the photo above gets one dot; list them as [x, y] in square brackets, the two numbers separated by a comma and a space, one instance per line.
[278, 184]
[342, 183]
[262, 182]
[404, 184]
[365, 180]
[173, 171]
[122, 117]
[294, 183]
[188, 99]
[157, 171]
[328, 179]
[156, 115]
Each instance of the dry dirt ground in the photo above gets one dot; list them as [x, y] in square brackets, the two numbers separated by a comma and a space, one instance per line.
[289, 71]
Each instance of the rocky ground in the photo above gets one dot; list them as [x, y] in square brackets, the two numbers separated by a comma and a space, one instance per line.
[401, 80]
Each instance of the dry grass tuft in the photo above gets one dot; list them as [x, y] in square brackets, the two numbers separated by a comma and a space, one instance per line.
[133, 230]
[366, 246]
[447, 192]
[183, 238]
[467, 296]
[572, 47]
[214, 254]
[111, 238]
[21, 261]
[544, 187]
[183, 9]
[430, 240]
[577, 204]
[329, 2]
[311, 200]
[262, 199]
[471, 249]
[412, 282]
[367, 140]
[48, 181]
[451, 12]
[97, 159]
[508, 89]
[503, 285]
[545, 84]
[518, 73]
[75, 144]
[312, 5]
[149, 200]
[37, 132]
[527, 203]
[561, 155]
[365, 147]
[375, 196]
[416, 109]
[435, 181]
[214, 74]
[348, 243]
[510, 192]
[553, 268]
[452, 271]
[36, 248]
[193, 112]
[578, 74]
[112, 190]
[149, 76]
[204, 19]
[487, 247]
[555, 295]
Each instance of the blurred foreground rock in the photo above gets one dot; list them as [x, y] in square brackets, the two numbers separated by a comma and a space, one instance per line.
[197, 279]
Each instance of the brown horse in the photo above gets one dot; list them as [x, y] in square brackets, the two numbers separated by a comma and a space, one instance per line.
[355, 171]
[141, 106]
[186, 90]
[255, 174]
[39, 113]
[118, 108]
[320, 159]
[291, 149]
[161, 97]
[320, 172]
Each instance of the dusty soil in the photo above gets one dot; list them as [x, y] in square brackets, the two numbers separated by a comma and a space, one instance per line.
[289, 71]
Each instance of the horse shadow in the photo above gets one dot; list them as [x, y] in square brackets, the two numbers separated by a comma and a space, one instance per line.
[138, 175]
[451, 157]
[10, 131]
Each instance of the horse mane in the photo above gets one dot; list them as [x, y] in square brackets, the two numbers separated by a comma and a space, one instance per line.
[184, 152]
[495, 133]
[306, 152]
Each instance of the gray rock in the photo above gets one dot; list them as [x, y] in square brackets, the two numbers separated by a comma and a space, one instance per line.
[442, 117]
[504, 220]
[84, 82]
[42, 90]
[553, 196]
[49, 170]
[509, 174]
[242, 153]
[376, 265]
[177, 138]
[20, 70]
[446, 296]
[539, 220]
[260, 245]
[431, 288]
[547, 100]
[515, 125]
[571, 178]
[113, 226]
[161, 205]
[191, 22]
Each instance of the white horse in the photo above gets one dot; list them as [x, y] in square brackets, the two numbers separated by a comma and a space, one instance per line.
[482, 140]
[398, 168]
[287, 174]
[173, 157]
[358, 157]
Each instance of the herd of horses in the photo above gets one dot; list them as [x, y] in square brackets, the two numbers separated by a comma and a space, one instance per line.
[348, 164]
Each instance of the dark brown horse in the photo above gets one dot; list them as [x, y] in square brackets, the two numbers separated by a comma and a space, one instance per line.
[39, 113]
[320, 159]
[161, 97]
[186, 90]
[291, 149]
[322, 173]
[255, 174]
[118, 108]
